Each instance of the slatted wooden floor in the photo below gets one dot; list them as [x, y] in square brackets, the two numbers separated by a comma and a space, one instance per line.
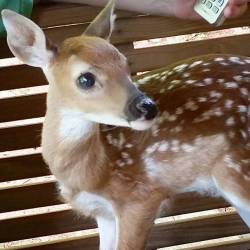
[31, 216]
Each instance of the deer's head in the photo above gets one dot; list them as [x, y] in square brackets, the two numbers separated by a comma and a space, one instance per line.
[86, 73]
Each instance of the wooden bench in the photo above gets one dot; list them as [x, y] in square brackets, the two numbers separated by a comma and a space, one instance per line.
[31, 216]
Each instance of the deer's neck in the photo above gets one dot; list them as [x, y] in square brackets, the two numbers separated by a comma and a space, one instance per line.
[72, 148]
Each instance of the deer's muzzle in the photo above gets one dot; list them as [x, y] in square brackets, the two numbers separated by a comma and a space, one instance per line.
[139, 107]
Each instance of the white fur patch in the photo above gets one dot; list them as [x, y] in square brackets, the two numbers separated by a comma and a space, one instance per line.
[107, 233]
[73, 124]
[203, 185]
[93, 205]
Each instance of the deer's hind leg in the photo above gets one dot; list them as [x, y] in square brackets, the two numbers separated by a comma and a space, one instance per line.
[233, 180]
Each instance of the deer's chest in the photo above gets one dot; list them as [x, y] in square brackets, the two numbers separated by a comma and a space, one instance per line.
[92, 205]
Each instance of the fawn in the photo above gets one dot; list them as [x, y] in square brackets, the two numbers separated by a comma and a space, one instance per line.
[198, 140]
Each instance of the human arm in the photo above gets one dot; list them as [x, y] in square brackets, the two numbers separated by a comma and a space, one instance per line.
[179, 8]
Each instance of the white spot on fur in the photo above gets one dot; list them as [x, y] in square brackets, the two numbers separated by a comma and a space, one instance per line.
[219, 59]
[224, 64]
[230, 121]
[176, 129]
[231, 85]
[236, 60]
[208, 81]
[179, 111]
[174, 82]
[238, 78]
[206, 64]
[180, 67]
[186, 75]
[215, 94]
[128, 145]
[243, 134]
[206, 70]
[242, 109]
[244, 91]
[202, 99]
[191, 105]
[229, 103]
[190, 81]
[220, 80]
[196, 63]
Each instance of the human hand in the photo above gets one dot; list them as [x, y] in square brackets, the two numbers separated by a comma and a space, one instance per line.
[184, 9]
[235, 8]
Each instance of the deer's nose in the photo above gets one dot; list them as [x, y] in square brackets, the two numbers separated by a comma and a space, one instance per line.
[142, 106]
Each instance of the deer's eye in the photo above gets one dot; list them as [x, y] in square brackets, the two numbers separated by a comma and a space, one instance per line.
[86, 81]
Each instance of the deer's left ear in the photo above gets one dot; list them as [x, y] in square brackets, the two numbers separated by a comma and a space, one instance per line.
[103, 24]
[26, 40]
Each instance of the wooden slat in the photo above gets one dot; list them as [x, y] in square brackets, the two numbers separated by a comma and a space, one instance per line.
[182, 218]
[19, 92]
[35, 212]
[21, 152]
[52, 239]
[27, 182]
[21, 123]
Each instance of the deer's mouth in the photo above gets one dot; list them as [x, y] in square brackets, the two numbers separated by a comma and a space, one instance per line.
[141, 124]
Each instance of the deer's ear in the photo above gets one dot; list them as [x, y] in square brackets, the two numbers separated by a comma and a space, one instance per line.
[103, 24]
[26, 40]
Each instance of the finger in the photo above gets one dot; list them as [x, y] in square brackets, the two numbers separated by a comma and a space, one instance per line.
[234, 10]
[237, 2]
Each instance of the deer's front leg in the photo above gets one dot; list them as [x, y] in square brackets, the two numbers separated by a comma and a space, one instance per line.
[133, 225]
[107, 232]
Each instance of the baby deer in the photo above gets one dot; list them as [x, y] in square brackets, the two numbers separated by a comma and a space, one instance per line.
[198, 141]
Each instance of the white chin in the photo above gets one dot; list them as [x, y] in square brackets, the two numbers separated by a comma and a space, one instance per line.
[141, 124]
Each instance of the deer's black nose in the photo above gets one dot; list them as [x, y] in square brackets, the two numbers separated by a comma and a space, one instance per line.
[142, 106]
[147, 108]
